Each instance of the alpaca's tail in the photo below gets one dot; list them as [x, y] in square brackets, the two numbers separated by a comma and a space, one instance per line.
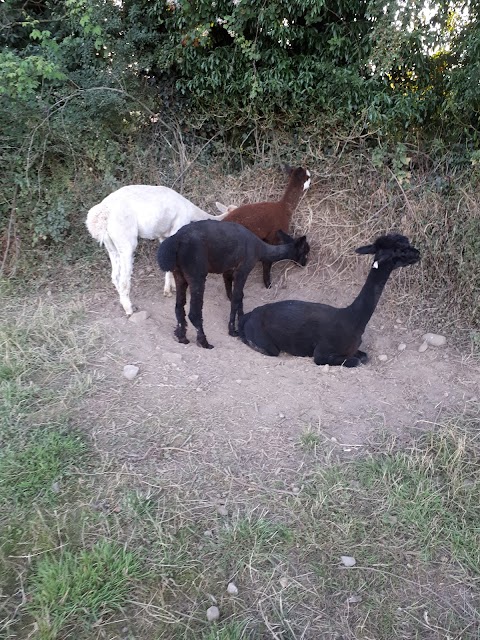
[167, 253]
[96, 222]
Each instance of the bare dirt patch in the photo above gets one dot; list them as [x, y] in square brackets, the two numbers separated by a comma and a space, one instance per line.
[240, 410]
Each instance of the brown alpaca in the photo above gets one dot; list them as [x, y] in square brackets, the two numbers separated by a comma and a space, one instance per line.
[265, 219]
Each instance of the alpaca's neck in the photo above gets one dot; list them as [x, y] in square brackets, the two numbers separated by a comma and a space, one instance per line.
[291, 197]
[200, 214]
[275, 252]
[365, 303]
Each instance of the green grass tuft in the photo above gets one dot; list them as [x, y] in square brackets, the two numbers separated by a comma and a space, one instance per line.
[251, 541]
[231, 631]
[78, 588]
[28, 473]
[310, 441]
[433, 492]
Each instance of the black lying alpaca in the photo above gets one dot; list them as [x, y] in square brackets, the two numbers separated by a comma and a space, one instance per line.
[331, 335]
[200, 248]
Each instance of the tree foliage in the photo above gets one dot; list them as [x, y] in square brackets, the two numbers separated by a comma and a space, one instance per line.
[80, 80]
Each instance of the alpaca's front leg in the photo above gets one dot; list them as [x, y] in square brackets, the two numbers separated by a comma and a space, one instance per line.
[228, 280]
[267, 274]
[335, 360]
[362, 356]
[236, 307]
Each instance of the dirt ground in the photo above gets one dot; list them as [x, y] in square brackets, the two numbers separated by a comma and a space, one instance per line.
[230, 414]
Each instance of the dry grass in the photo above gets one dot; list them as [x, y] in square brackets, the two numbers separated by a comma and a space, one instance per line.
[407, 513]
[351, 202]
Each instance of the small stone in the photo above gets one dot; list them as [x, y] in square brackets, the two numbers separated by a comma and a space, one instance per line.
[281, 415]
[399, 321]
[296, 490]
[171, 358]
[222, 510]
[435, 339]
[383, 358]
[49, 293]
[213, 613]
[423, 347]
[56, 487]
[348, 561]
[232, 589]
[193, 378]
[238, 381]
[130, 371]
[326, 368]
[354, 599]
[402, 346]
[208, 533]
[139, 316]
[284, 582]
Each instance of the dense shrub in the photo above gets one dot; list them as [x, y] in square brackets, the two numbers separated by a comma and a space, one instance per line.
[93, 95]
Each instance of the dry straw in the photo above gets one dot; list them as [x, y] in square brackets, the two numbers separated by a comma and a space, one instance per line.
[351, 202]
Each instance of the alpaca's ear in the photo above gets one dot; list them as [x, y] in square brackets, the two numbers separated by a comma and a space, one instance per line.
[221, 207]
[369, 248]
[288, 169]
[283, 237]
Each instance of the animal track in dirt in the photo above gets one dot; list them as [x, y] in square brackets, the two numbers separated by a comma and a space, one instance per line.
[237, 410]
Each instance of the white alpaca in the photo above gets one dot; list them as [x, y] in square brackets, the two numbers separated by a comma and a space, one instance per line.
[139, 211]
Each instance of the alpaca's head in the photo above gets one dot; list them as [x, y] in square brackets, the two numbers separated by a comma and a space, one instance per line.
[392, 250]
[302, 248]
[298, 177]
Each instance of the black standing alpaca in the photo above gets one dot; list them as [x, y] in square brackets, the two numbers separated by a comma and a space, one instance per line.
[207, 247]
[331, 335]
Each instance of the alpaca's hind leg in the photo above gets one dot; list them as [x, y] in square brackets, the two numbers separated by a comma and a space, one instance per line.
[115, 262]
[236, 308]
[267, 274]
[169, 284]
[181, 287]
[197, 289]
[126, 268]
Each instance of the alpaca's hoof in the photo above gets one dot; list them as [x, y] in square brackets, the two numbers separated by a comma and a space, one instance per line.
[233, 333]
[204, 344]
[180, 336]
[133, 309]
[167, 294]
